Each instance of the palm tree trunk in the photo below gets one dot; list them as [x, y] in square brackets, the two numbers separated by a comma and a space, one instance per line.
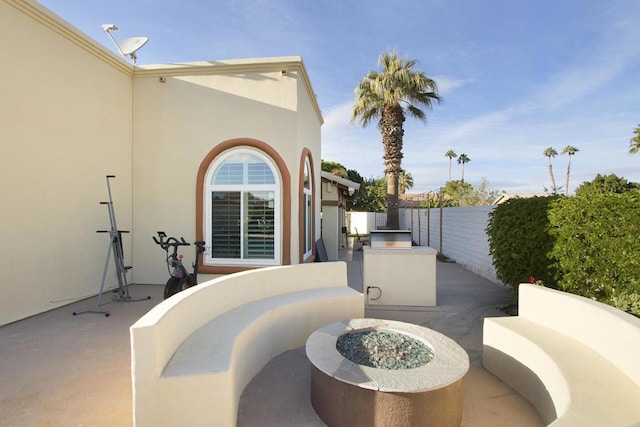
[463, 172]
[449, 168]
[554, 189]
[566, 188]
[392, 133]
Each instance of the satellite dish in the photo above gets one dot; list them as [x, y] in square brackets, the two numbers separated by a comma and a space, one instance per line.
[129, 46]
[109, 27]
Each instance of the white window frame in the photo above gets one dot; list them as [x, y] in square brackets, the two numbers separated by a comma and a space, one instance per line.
[209, 188]
[308, 209]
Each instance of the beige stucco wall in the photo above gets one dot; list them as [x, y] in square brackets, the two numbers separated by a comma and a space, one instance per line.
[334, 215]
[331, 230]
[179, 121]
[309, 136]
[330, 219]
[73, 112]
[66, 123]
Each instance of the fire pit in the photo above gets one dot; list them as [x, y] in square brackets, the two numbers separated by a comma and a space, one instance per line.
[346, 393]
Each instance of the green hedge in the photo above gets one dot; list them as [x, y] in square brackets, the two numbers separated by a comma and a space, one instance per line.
[519, 241]
[587, 244]
[597, 247]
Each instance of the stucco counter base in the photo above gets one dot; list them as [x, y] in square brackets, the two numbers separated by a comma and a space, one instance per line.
[404, 276]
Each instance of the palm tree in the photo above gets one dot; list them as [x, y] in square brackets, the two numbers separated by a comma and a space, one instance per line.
[388, 96]
[451, 155]
[405, 182]
[462, 160]
[634, 146]
[570, 150]
[551, 152]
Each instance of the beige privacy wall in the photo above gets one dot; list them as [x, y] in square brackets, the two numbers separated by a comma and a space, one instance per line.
[65, 109]
[73, 112]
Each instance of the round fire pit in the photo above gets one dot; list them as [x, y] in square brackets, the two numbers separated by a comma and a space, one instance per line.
[413, 378]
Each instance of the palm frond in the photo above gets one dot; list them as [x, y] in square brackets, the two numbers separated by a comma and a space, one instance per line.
[634, 143]
[396, 84]
[417, 113]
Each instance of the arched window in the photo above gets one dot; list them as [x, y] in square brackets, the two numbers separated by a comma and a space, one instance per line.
[242, 209]
[308, 209]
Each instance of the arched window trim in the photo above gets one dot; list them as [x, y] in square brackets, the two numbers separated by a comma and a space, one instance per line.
[241, 189]
[285, 200]
[306, 163]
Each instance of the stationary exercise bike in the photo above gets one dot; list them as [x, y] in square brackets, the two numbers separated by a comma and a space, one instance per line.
[180, 278]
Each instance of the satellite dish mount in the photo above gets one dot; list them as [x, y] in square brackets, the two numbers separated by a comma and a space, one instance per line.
[129, 46]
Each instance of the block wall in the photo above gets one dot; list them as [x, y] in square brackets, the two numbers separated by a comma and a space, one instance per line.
[460, 236]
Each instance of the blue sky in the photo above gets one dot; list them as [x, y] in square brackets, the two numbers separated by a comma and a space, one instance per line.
[516, 76]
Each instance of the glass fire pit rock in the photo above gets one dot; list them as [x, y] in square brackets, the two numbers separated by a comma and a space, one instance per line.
[385, 350]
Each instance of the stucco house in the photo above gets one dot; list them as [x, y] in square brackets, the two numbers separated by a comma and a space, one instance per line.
[336, 192]
[222, 151]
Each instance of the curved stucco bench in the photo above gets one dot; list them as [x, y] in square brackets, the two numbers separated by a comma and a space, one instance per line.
[194, 353]
[576, 360]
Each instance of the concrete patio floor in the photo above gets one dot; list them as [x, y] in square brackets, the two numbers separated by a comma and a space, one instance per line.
[57, 369]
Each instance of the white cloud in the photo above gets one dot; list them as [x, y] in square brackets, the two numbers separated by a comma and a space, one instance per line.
[618, 46]
[350, 144]
[472, 128]
[337, 118]
[448, 84]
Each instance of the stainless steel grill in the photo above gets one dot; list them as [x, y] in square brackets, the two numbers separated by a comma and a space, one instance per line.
[390, 239]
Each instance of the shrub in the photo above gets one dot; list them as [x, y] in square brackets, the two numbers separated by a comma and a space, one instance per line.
[519, 241]
[606, 184]
[627, 302]
[372, 196]
[597, 247]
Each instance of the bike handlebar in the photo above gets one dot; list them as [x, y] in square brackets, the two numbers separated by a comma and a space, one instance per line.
[170, 242]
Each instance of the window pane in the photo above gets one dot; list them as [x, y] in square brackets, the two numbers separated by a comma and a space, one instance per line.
[225, 224]
[228, 173]
[260, 220]
[243, 217]
[307, 183]
[307, 223]
[260, 173]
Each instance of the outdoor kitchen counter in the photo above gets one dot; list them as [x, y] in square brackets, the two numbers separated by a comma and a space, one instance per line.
[400, 276]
